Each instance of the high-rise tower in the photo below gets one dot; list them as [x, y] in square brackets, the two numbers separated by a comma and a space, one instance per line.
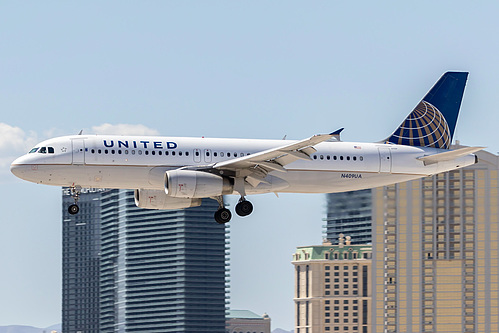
[436, 253]
[80, 263]
[152, 270]
[349, 213]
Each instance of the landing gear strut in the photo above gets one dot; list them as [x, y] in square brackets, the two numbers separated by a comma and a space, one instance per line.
[222, 215]
[75, 193]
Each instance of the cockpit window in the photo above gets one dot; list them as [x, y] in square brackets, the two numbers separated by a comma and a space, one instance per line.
[43, 150]
[51, 150]
[33, 150]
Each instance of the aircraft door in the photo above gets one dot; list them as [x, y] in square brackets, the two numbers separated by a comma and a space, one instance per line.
[78, 151]
[197, 155]
[385, 160]
[207, 155]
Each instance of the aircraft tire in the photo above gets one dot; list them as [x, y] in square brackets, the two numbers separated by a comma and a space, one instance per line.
[223, 215]
[73, 209]
[244, 208]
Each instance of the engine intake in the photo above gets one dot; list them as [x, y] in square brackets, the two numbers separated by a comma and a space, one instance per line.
[195, 184]
[157, 199]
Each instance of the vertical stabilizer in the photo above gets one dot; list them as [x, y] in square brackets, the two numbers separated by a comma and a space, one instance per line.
[433, 120]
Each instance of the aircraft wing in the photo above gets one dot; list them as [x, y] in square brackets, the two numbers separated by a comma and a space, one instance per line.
[255, 167]
[449, 155]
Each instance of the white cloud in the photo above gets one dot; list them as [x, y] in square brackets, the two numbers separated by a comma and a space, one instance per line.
[124, 129]
[14, 142]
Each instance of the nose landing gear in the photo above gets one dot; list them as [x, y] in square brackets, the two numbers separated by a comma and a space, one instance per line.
[75, 193]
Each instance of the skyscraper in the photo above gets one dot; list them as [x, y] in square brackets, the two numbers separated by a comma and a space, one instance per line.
[435, 264]
[80, 263]
[159, 270]
[349, 213]
[436, 253]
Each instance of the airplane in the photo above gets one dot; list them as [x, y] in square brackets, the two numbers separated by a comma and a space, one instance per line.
[178, 172]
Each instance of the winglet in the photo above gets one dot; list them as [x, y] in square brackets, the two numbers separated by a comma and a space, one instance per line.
[337, 132]
[335, 136]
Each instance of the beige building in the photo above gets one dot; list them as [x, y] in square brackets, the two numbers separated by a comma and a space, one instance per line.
[244, 321]
[333, 288]
[435, 252]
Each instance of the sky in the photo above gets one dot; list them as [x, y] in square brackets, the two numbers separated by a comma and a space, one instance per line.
[221, 69]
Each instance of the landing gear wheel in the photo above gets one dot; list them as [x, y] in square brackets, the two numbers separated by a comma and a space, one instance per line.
[73, 209]
[244, 208]
[223, 215]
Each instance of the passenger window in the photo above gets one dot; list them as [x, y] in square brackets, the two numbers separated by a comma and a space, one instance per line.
[173, 153]
[99, 151]
[106, 151]
[119, 151]
[186, 153]
[179, 153]
[322, 157]
[167, 153]
[160, 153]
[221, 154]
[126, 152]
[228, 154]
[133, 152]
[348, 158]
[51, 150]
[341, 158]
[140, 152]
[361, 158]
[147, 152]
[112, 151]
[315, 157]
[43, 150]
[242, 154]
[215, 154]
[153, 152]
[328, 157]
[93, 151]
[335, 157]
[355, 158]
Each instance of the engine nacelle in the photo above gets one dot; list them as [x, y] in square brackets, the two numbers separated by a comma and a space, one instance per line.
[195, 184]
[157, 199]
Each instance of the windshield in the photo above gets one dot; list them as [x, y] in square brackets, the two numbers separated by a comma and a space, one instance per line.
[33, 150]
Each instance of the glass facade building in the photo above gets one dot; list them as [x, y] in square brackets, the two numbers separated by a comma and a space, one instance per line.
[80, 263]
[159, 270]
[349, 213]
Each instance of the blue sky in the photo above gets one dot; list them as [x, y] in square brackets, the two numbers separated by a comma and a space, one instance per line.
[221, 69]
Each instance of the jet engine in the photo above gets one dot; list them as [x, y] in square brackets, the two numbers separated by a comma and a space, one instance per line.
[195, 184]
[157, 199]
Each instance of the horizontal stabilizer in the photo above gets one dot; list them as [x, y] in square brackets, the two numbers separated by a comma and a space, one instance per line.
[449, 155]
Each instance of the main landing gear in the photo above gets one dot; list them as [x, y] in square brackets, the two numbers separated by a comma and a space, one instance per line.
[75, 193]
[223, 215]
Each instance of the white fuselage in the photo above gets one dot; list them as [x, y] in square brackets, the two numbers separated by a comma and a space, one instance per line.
[133, 162]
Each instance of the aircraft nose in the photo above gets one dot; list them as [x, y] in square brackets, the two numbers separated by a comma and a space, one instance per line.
[19, 168]
[16, 169]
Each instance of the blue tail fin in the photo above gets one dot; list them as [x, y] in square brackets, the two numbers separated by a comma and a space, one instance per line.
[433, 120]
